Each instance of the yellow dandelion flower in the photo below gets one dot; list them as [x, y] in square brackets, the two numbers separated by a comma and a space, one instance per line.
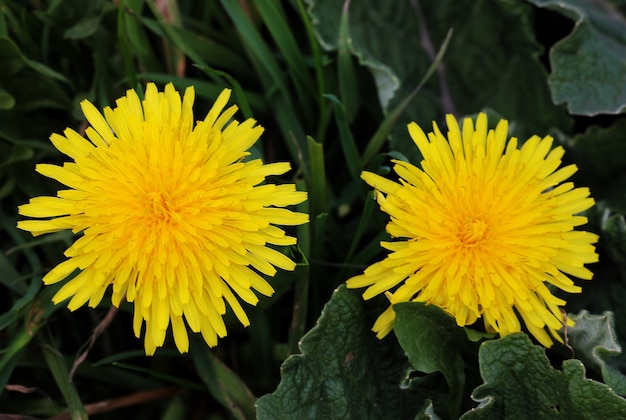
[169, 214]
[488, 227]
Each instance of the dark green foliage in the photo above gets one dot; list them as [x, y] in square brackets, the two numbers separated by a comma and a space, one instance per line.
[334, 83]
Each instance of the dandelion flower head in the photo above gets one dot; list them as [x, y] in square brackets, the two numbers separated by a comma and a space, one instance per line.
[169, 213]
[484, 229]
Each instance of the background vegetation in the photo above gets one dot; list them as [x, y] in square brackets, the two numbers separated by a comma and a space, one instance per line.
[334, 83]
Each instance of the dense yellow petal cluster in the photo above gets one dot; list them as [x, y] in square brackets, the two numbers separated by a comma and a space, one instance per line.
[169, 213]
[486, 227]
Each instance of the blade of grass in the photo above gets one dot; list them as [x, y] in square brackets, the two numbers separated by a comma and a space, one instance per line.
[3, 24]
[200, 50]
[371, 250]
[12, 354]
[240, 94]
[9, 277]
[223, 384]
[9, 317]
[319, 72]
[161, 376]
[368, 207]
[116, 376]
[138, 40]
[255, 44]
[377, 141]
[276, 22]
[122, 37]
[348, 87]
[273, 81]
[348, 145]
[35, 318]
[62, 236]
[262, 346]
[317, 182]
[300, 308]
[58, 368]
[113, 404]
[302, 283]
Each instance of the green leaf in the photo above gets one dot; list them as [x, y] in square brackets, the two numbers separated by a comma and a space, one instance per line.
[35, 318]
[599, 151]
[348, 145]
[138, 38]
[12, 61]
[492, 60]
[276, 22]
[8, 317]
[347, 80]
[274, 81]
[58, 368]
[433, 342]
[317, 183]
[345, 372]
[588, 69]
[89, 22]
[594, 340]
[9, 276]
[520, 383]
[614, 234]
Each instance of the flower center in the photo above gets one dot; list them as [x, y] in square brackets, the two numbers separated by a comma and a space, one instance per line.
[161, 208]
[472, 232]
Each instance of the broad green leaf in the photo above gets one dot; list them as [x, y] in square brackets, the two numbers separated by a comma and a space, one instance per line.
[385, 128]
[374, 29]
[588, 69]
[344, 371]
[520, 383]
[594, 341]
[599, 151]
[492, 60]
[433, 343]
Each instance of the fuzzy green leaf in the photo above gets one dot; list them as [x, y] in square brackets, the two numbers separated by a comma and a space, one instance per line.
[432, 341]
[594, 340]
[345, 372]
[588, 69]
[520, 383]
[492, 60]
